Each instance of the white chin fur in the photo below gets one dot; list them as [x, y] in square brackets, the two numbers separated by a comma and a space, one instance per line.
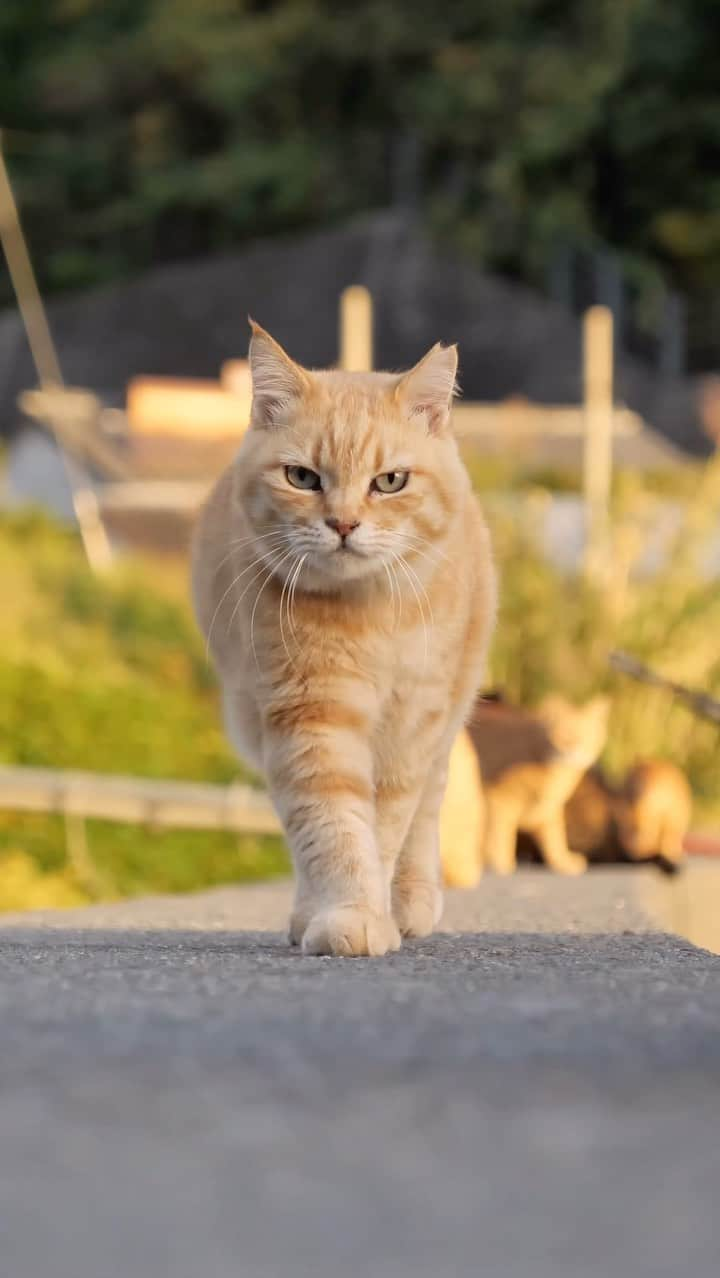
[339, 566]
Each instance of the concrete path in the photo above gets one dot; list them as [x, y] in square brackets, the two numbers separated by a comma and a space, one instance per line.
[535, 1092]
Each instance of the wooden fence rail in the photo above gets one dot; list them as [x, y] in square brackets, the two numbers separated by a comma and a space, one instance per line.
[161, 804]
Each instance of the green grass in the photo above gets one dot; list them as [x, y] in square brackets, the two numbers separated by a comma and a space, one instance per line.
[109, 674]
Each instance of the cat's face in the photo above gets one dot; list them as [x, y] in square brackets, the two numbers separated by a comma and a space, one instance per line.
[578, 733]
[349, 474]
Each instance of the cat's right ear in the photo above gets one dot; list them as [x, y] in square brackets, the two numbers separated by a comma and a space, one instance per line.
[426, 392]
[277, 381]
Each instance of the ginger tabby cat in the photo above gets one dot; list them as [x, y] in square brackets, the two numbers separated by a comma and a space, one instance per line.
[530, 764]
[641, 820]
[462, 817]
[343, 579]
[532, 795]
[652, 810]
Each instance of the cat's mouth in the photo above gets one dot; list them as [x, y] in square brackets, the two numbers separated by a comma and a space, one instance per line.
[345, 562]
[346, 549]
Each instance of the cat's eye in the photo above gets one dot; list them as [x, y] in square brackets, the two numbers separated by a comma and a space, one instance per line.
[303, 477]
[391, 482]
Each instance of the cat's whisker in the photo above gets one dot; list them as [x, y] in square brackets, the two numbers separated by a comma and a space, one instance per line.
[291, 602]
[399, 593]
[416, 543]
[235, 546]
[391, 567]
[433, 553]
[392, 593]
[397, 559]
[214, 616]
[285, 593]
[271, 573]
[392, 584]
[280, 617]
[424, 592]
[409, 574]
[224, 596]
[432, 545]
[402, 564]
[423, 555]
[269, 532]
[273, 564]
[415, 575]
[417, 538]
[287, 599]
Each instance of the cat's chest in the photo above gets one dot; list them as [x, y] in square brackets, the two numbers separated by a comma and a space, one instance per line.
[556, 786]
[415, 706]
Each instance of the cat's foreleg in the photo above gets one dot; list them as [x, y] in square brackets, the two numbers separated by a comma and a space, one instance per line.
[501, 829]
[556, 854]
[321, 782]
[416, 886]
[396, 802]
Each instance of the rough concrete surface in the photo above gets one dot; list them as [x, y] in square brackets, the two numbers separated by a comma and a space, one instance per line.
[534, 1093]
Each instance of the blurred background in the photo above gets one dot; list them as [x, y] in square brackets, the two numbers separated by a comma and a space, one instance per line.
[537, 180]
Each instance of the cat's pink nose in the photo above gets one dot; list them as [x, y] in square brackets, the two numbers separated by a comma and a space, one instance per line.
[342, 527]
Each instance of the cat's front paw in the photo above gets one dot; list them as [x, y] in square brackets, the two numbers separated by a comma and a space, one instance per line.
[304, 909]
[416, 908]
[297, 927]
[570, 863]
[350, 931]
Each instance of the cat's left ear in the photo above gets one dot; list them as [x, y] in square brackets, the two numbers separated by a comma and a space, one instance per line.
[426, 392]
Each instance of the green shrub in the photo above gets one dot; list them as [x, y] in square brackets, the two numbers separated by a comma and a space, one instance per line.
[556, 631]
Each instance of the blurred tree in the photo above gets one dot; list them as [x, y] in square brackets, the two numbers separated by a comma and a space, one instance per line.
[141, 130]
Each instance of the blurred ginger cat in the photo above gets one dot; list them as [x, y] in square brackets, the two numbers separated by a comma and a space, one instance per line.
[462, 817]
[343, 579]
[643, 819]
[530, 764]
[652, 811]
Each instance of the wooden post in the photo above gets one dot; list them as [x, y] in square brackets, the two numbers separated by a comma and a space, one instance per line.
[356, 330]
[42, 348]
[609, 289]
[78, 854]
[597, 462]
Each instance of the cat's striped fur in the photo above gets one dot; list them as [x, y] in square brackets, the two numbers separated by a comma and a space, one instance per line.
[349, 654]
